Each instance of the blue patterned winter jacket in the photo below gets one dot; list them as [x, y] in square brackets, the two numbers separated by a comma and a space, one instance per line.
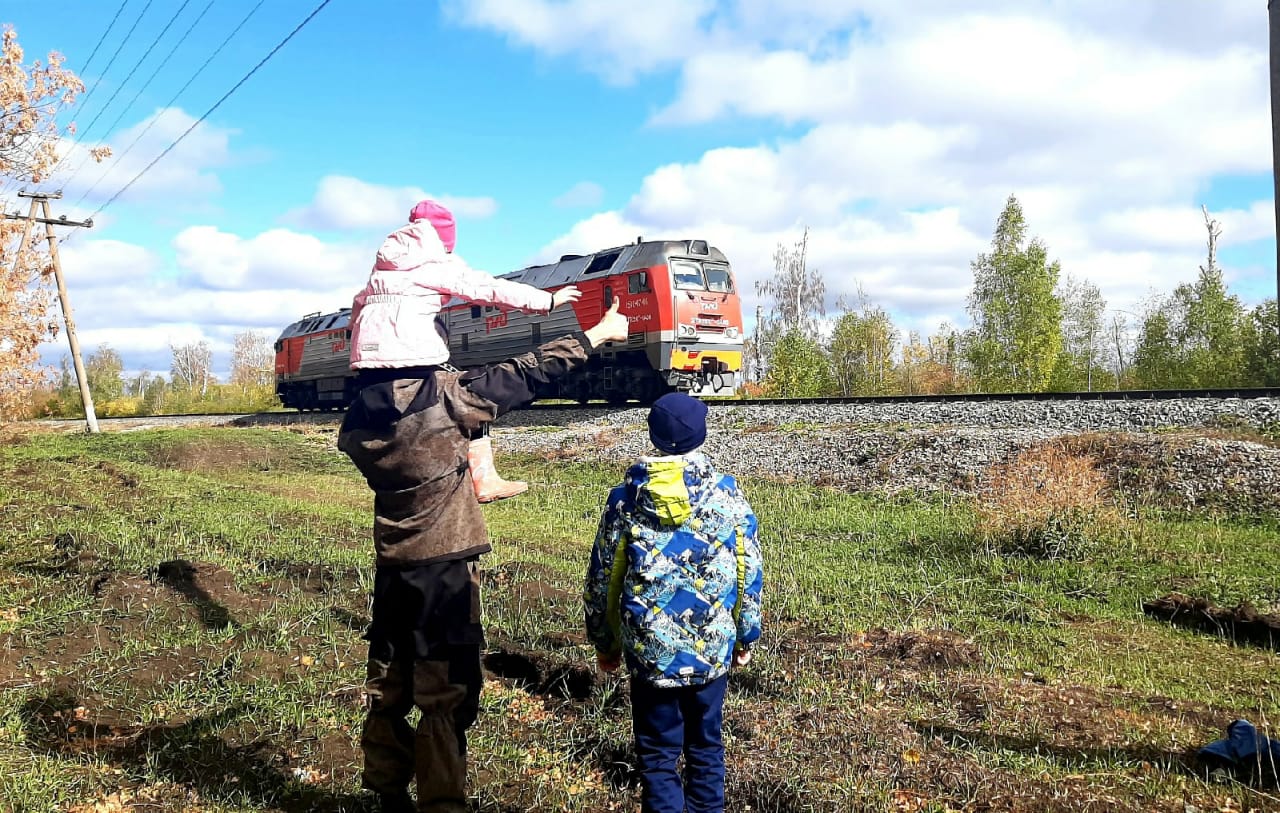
[675, 577]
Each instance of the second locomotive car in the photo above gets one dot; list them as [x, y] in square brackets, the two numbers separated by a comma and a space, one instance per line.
[679, 295]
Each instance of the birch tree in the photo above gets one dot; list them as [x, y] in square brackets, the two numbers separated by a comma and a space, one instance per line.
[192, 366]
[1017, 332]
[795, 296]
[862, 350]
[251, 361]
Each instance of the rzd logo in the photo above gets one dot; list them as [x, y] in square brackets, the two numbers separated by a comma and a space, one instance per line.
[339, 346]
[497, 320]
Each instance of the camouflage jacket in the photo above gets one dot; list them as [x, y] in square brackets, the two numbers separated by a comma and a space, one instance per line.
[674, 581]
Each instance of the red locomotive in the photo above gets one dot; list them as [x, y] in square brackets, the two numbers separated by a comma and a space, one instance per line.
[686, 329]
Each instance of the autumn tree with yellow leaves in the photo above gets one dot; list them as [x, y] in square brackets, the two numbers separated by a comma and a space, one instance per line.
[31, 96]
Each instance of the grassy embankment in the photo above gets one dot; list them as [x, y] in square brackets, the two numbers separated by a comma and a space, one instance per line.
[180, 620]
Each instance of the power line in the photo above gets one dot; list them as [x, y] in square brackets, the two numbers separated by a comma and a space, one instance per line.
[145, 85]
[216, 105]
[112, 60]
[134, 69]
[85, 132]
[103, 38]
[98, 81]
[175, 96]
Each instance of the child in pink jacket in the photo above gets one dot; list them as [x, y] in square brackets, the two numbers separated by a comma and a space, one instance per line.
[393, 320]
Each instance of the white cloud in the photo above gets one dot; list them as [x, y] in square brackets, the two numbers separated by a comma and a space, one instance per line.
[217, 285]
[584, 194]
[278, 258]
[182, 178]
[1037, 93]
[620, 39]
[1183, 227]
[342, 202]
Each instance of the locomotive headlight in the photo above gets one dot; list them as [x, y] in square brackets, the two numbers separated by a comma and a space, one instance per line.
[731, 333]
[686, 330]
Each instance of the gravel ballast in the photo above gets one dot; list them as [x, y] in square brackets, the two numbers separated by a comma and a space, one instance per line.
[1178, 453]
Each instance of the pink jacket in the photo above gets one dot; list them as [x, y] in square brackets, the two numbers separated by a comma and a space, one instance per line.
[393, 318]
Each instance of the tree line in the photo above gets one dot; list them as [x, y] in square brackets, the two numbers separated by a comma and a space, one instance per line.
[1033, 330]
[191, 387]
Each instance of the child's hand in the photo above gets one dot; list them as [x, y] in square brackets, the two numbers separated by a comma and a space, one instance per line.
[569, 293]
[742, 657]
[608, 663]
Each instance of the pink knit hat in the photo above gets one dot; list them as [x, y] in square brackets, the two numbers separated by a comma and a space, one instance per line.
[440, 217]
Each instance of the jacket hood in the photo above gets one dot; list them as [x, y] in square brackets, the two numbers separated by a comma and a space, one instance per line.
[410, 246]
[669, 489]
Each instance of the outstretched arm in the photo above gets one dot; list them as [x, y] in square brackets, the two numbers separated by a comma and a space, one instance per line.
[463, 281]
[486, 393]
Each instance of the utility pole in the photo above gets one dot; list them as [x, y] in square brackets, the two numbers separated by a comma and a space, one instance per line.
[755, 346]
[41, 200]
[1273, 16]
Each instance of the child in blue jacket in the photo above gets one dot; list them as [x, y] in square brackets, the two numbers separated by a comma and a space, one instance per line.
[674, 586]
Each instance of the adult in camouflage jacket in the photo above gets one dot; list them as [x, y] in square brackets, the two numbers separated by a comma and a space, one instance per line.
[407, 431]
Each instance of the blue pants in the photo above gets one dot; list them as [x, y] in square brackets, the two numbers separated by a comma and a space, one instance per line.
[667, 722]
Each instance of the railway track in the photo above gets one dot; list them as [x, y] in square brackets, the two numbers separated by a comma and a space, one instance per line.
[970, 397]
[285, 417]
[600, 409]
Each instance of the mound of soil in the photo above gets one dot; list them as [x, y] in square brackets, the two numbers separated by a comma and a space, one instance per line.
[1242, 624]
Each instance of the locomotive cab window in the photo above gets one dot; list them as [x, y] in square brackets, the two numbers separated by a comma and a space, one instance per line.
[475, 311]
[718, 278]
[638, 283]
[687, 275]
[602, 262]
[608, 296]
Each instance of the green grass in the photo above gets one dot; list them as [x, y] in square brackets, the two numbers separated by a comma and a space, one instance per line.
[903, 667]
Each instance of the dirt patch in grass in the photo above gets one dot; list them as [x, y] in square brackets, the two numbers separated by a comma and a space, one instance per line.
[205, 757]
[309, 578]
[1241, 624]
[540, 673]
[210, 589]
[923, 649]
[517, 572]
[209, 455]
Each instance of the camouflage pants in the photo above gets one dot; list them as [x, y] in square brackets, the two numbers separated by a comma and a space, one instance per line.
[447, 693]
[424, 651]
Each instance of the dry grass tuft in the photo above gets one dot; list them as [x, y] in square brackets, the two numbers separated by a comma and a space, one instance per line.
[1049, 503]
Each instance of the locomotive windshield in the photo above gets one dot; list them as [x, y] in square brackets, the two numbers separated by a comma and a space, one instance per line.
[687, 275]
[718, 278]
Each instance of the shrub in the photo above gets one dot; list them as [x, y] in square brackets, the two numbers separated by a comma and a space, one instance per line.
[1047, 502]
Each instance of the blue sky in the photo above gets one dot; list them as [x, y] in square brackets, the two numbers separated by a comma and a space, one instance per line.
[895, 134]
